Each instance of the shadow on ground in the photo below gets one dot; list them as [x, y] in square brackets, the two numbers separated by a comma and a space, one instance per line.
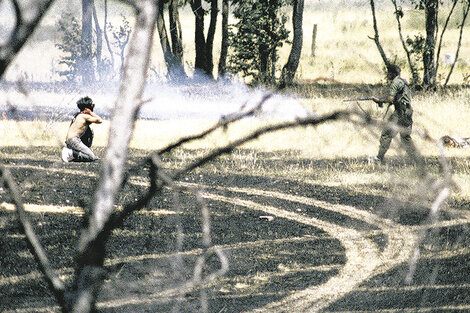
[154, 251]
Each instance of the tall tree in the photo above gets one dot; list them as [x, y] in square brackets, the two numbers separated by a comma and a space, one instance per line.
[172, 61]
[210, 38]
[288, 71]
[99, 44]
[175, 30]
[204, 46]
[224, 40]
[255, 38]
[86, 67]
[431, 9]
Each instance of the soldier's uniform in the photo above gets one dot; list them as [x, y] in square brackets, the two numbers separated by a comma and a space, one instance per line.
[402, 116]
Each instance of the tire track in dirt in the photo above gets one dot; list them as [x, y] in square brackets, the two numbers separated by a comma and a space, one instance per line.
[364, 259]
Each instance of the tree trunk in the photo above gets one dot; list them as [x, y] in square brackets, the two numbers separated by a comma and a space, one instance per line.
[273, 10]
[87, 71]
[164, 42]
[224, 43]
[439, 44]
[111, 54]
[199, 40]
[431, 13]
[175, 31]
[314, 40]
[266, 51]
[99, 43]
[288, 72]
[209, 67]
[90, 273]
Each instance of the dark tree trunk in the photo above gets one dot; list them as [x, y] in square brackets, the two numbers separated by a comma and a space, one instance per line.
[174, 67]
[86, 70]
[288, 72]
[265, 51]
[209, 66]
[199, 40]
[431, 14]
[175, 31]
[224, 44]
[272, 56]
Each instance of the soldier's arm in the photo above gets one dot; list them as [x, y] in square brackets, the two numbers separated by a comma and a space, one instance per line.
[381, 101]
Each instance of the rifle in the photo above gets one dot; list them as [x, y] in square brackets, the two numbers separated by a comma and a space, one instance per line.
[380, 104]
[358, 99]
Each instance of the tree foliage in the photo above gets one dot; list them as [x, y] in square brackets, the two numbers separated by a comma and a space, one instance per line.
[255, 38]
[69, 45]
[71, 42]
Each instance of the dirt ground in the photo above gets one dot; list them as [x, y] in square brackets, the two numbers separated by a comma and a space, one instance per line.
[291, 246]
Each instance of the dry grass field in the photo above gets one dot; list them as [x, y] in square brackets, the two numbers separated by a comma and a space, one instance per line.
[306, 222]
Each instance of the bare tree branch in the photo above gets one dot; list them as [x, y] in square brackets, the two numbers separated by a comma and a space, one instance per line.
[222, 123]
[311, 120]
[34, 244]
[156, 169]
[414, 73]
[376, 36]
[26, 21]
[464, 18]
[439, 46]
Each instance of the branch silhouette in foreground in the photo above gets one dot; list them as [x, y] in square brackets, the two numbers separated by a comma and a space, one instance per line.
[28, 15]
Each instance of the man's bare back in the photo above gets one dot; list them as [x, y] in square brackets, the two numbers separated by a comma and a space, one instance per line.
[81, 122]
[80, 135]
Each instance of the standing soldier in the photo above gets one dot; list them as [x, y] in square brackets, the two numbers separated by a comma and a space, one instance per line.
[400, 97]
[80, 136]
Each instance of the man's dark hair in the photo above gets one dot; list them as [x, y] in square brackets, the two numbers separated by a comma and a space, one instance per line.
[85, 103]
[394, 70]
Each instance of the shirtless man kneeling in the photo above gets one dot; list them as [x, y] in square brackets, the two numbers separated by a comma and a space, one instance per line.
[80, 136]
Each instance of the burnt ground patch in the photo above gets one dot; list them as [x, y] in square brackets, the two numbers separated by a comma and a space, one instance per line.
[152, 253]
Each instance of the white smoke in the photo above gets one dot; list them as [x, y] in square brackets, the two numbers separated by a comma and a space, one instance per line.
[163, 101]
[212, 100]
